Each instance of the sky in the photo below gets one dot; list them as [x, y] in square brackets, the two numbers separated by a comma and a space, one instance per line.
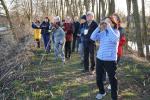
[121, 5]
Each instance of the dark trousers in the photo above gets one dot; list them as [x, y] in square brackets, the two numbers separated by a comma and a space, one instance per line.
[46, 39]
[118, 59]
[104, 76]
[38, 43]
[110, 68]
[68, 49]
[89, 51]
[74, 43]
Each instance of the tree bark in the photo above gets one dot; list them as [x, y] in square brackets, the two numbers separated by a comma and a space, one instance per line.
[128, 3]
[145, 30]
[8, 17]
[87, 5]
[137, 28]
[93, 4]
[103, 6]
[31, 10]
[111, 7]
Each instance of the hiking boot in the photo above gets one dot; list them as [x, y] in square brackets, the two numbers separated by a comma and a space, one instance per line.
[100, 96]
[92, 72]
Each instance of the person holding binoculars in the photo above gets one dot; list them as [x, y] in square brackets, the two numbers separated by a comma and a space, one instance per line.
[108, 35]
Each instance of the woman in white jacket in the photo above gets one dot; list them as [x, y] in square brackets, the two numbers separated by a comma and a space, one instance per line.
[108, 36]
[59, 39]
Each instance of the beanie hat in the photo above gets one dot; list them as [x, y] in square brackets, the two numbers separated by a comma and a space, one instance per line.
[83, 17]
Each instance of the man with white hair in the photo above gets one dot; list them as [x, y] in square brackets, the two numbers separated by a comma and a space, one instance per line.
[89, 45]
[59, 39]
[57, 19]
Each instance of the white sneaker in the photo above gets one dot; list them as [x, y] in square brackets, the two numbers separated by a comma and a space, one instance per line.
[100, 96]
[109, 87]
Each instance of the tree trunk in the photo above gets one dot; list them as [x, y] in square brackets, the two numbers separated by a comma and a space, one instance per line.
[100, 10]
[138, 28]
[36, 9]
[103, 6]
[68, 7]
[87, 5]
[111, 7]
[93, 4]
[97, 11]
[31, 10]
[128, 2]
[8, 17]
[80, 7]
[62, 9]
[145, 30]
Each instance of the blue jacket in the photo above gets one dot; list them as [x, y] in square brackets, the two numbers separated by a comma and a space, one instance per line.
[45, 26]
[34, 26]
[83, 26]
[109, 40]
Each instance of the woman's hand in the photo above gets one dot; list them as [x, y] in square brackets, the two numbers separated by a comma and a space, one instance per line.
[102, 26]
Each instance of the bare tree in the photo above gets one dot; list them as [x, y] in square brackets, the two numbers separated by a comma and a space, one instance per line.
[145, 30]
[31, 10]
[137, 28]
[111, 7]
[87, 5]
[103, 5]
[98, 9]
[80, 3]
[8, 17]
[93, 5]
[128, 2]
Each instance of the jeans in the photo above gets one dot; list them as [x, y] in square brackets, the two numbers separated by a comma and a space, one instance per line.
[46, 39]
[81, 51]
[59, 49]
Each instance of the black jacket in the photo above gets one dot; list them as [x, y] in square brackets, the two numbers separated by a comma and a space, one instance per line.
[76, 28]
[90, 28]
[45, 27]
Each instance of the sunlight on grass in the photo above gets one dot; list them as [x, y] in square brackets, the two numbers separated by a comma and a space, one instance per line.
[128, 93]
[41, 94]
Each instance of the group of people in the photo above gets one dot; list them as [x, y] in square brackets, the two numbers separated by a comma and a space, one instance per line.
[73, 35]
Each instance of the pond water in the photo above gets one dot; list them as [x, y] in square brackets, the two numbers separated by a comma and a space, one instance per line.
[133, 45]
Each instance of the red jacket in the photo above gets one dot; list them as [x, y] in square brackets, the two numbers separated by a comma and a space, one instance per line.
[68, 28]
[121, 42]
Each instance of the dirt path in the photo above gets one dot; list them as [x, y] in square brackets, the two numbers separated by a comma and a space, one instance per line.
[53, 81]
